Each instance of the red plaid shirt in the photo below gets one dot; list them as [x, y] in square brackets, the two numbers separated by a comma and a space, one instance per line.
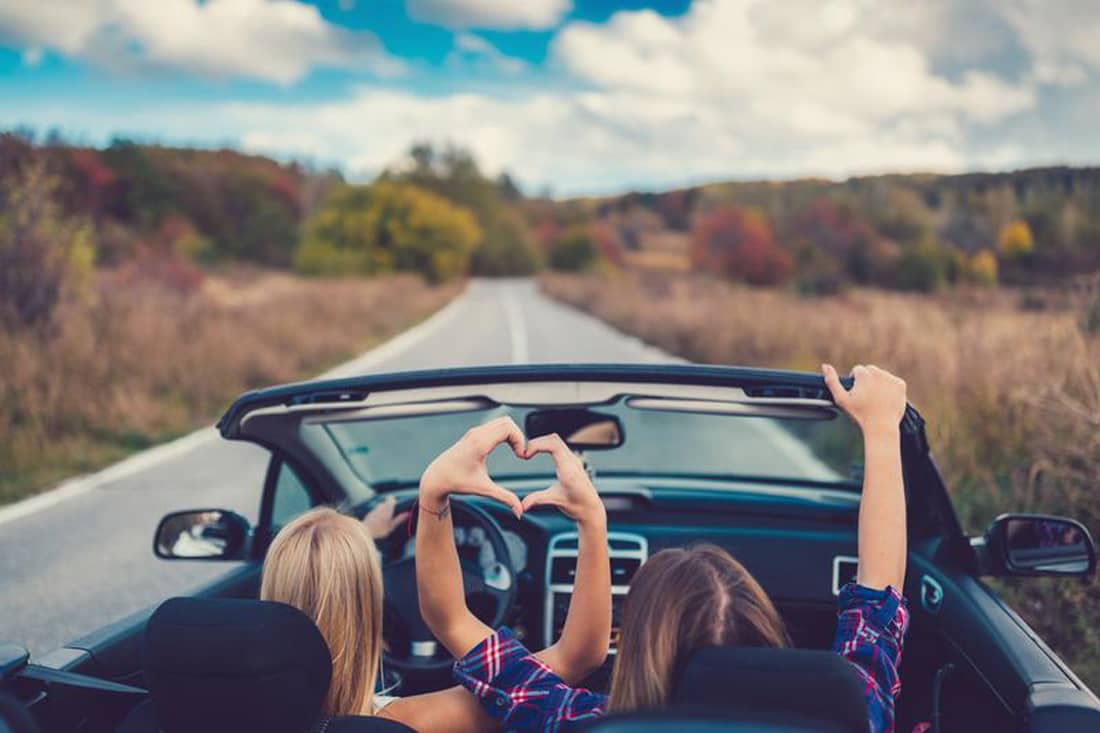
[521, 693]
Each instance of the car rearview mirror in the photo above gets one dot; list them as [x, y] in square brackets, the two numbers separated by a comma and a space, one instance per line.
[581, 429]
[1034, 544]
[202, 534]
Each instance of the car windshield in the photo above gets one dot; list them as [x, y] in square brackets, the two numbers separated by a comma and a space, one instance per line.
[827, 450]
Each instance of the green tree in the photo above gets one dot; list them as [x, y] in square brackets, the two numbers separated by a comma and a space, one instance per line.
[923, 267]
[575, 251]
[508, 250]
[365, 230]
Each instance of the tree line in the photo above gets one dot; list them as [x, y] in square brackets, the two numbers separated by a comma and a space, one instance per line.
[158, 215]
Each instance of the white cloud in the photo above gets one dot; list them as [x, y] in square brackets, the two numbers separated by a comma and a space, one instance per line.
[475, 49]
[503, 14]
[1061, 35]
[273, 40]
[734, 88]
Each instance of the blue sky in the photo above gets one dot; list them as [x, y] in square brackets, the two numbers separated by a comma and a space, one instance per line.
[582, 96]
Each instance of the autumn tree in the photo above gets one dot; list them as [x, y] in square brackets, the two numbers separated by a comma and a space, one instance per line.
[366, 230]
[739, 244]
[1015, 239]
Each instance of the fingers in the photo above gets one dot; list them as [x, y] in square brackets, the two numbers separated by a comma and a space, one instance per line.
[504, 496]
[397, 521]
[832, 381]
[498, 431]
[552, 444]
[540, 498]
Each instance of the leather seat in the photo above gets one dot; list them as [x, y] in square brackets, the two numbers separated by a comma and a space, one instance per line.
[755, 690]
[222, 666]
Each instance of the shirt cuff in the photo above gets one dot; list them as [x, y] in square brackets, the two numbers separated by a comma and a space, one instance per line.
[885, 610]
[484, 669]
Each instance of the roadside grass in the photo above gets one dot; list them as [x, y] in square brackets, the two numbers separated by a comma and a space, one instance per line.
[121, 369]
[1011, 396]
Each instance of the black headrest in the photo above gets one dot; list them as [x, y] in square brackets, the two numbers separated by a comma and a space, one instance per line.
[14, 717]
[233, 665]
[775, 685]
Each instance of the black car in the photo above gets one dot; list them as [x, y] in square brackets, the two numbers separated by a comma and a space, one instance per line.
[759, 462]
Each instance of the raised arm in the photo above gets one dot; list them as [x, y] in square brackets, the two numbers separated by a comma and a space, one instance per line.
[587, 633]
[459, 470]
[877, 404]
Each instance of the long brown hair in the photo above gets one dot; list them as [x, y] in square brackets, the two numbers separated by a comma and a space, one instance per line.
[681, 600]
[326, 565]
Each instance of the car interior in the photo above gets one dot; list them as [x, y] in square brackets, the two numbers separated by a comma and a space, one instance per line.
[764, 467]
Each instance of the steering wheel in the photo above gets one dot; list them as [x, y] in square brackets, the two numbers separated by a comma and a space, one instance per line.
[410, 646]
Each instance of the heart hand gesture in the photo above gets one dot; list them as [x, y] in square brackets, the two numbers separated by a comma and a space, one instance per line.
[461, 468]
[573, 492]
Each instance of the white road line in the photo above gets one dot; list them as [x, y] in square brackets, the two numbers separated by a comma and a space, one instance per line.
[517, 329]
[138, 462]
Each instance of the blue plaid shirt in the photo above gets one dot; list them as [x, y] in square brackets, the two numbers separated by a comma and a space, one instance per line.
[521, 693]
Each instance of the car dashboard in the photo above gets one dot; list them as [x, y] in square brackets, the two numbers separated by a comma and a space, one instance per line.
[798, 542]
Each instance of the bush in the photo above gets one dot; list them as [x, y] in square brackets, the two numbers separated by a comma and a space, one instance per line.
[42, 254]
[1015, 239]
[922, 268]
[508, 249]
[575, 251]
[367, 230]
[738, 244]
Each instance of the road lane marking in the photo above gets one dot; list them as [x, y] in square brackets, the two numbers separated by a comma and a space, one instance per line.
[517, 329]
[138, 462]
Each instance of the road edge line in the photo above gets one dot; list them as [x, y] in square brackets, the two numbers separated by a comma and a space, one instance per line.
[81, 484]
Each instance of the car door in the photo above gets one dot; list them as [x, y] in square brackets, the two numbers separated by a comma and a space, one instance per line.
[114, 651]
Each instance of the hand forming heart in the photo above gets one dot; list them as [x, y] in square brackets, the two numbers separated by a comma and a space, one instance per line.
[461, 470]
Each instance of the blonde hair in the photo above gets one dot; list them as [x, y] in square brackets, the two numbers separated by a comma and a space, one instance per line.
[681, 600]
[326, 565]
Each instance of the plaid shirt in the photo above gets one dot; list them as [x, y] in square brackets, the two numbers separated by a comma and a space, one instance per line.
[522, 693]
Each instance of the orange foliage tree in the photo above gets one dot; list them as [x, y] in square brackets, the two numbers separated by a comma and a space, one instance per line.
[739, 244]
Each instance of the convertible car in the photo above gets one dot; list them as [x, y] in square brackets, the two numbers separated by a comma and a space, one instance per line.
[760, 462]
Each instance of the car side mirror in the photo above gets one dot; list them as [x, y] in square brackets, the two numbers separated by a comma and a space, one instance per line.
[202, 534]
[1036, 544]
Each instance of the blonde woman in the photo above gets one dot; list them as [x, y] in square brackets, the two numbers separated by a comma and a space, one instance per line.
[680, 600]
[326, 565]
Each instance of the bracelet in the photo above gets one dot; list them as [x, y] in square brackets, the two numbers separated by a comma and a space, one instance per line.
[440, 514]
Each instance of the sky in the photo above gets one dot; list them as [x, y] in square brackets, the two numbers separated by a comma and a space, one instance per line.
[572, 96]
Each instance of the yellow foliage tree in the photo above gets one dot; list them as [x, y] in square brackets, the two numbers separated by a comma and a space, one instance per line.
[365, 230]
[1016, 239]
[982, 268]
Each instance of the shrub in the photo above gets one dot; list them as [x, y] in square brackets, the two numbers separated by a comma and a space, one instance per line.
[982, 268]
[922, 268]
[574, 251]
[738, 244]
[1015, 239]
[42, 253]
[366, 230]
[508, 249]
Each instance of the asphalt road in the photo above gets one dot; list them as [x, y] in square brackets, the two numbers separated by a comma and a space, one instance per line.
[82, 557]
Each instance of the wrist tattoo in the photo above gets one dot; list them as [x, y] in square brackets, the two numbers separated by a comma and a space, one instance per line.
[442, 513]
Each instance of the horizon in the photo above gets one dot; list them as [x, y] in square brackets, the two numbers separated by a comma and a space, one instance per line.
[580, 97]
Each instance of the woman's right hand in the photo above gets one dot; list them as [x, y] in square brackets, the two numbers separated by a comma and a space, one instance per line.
[573, 492]
[461, 468]
[876, 400]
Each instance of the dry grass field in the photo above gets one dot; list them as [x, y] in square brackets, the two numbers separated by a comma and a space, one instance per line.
[121, 368]
[1011, 395]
